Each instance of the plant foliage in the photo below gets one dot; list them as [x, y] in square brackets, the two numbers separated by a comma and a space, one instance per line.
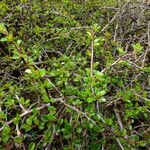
[74, 74]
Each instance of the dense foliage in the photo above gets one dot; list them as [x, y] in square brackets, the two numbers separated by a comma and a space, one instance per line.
[74, 75]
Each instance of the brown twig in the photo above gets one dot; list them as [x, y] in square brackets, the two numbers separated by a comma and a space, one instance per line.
[111, 65]
[92, 55]
[118, 119]
[121, 127]
[61, 99]
[92, 51]
[119, 13]
[119, 143]
[25, 113]
[148, 47]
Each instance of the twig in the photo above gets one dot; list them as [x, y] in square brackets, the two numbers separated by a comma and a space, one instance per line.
[134, 64]
[115, 35]
[118, 119]
[92, 51]
[17, 129]
[146, 99]
[52, 137]
[111, 65]
[47, 105]
[92, 55]
[12, 13]
[26, 113]
[142, 125]
[8, 16]
[104, 137]
[113, 19]
[78, 111]
[118, 141]
[121, 127]
[79, 28]
[148, 48]
[21, 106]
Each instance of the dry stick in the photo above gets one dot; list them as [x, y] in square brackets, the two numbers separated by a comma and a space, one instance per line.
[113, 19]
[118, 141]
[92, 51]
[121, 127]
[148, 48]
[148, 33]
[118, 119]
[111, 65]
[47, 105]
[21, 106]
[10, 14]
[92, 55]
[78, 111]
[17, 129]
[115, 35]
[145, 99]
[134, 64]
[104, 137]
[52, 137]
[107, 25]
[26, 113]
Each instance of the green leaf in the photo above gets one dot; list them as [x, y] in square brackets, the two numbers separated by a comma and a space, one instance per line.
[2, 115]
[48, 117]
[28, 71]
[4, 39]
[143, 143]
[31, 146]
[3, 29]
[137, 47]
[102, 99]
[101, 93]
[5, 133]
[16, 119]
[89, 33]
[90, 99]
[30, 120]
[36, 121]
[121, 51]
[96, 42]
[96, 27]
[79, 130]
[42, 72]
[19, 42]
[6, 130]
[47, 83]
[16, 55]
[18, 139]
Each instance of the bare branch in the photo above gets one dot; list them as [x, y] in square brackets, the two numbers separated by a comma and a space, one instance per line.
[47, 105]
[111, 65]
[148, 48]
[118, 141]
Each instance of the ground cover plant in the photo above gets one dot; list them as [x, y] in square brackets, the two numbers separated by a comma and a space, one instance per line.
[74, 75]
